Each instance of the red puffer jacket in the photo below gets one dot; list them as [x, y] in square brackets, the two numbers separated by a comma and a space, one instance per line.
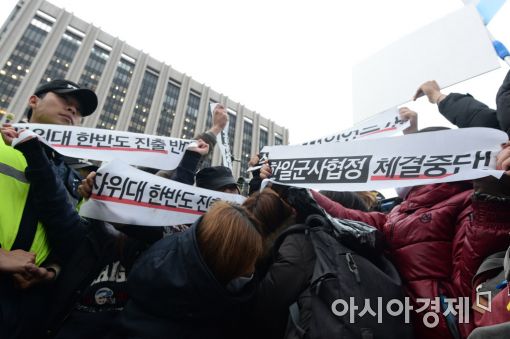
[437, 239]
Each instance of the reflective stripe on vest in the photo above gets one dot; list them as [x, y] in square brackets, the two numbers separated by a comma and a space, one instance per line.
[12, 172]
[13, 195]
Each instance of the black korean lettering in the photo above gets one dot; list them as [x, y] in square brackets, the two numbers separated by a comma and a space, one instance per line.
[100, 177]
[369, 130]
[186, 200]
[388, 167]
[140, 189]
[350, 136]
[83, 139]
[41, 132]
[322, 170]
[203, 203]
[114, 185]
[436, 165]
[482, 157]
[154, 194]
[142, 143]
[121, 141]
[410, 167]
[157, 144]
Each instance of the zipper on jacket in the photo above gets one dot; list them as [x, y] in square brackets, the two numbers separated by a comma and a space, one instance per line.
[352, 266]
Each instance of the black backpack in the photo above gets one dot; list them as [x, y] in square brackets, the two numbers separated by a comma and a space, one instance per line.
[341, 273]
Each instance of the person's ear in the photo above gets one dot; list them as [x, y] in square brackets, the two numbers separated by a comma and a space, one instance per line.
[32, 101]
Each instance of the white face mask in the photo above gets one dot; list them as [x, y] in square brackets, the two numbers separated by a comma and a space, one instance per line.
[402, 192]
[237, 284]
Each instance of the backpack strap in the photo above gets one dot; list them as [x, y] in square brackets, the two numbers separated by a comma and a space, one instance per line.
[298, 228]
[27, 226]
[294, 319]
[492, 262]
[506, 264]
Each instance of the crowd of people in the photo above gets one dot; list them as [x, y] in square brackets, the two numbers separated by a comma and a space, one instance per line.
[243, 271]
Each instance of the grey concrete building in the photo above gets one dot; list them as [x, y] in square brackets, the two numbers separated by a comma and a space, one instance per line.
[137, 93]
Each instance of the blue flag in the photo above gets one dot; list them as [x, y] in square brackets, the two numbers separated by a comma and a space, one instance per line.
[489, 8]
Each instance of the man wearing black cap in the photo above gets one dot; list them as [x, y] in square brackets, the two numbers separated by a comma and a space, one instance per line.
[217, 178]
[61, 102]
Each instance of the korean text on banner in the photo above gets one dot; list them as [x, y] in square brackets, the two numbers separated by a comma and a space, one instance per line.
[384, 124]
[410, 160]
[126, 195]
[106, 145]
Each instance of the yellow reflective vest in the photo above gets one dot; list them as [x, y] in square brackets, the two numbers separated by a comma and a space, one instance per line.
[13, 196]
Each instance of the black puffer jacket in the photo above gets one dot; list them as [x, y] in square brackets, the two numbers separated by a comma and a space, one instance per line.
[84, 247]
[175, 295]
[463, 110]
[281, 284]
[503, 104]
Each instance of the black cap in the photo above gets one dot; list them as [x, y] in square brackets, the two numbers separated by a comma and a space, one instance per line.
[86, 97]
[77, 163]
[214, 178]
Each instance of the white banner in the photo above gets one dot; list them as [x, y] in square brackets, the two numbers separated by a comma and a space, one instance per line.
[223, 142]
[126, 195]
[384, 124]
[410, 160]
[106, 145]
[444, 50]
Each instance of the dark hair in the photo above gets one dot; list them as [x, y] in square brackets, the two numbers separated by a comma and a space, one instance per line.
[269, 209]
[229, 240]
[347, 199]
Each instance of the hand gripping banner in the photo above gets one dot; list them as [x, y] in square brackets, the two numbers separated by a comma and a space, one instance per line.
[223, 142]
[126, 195]
[410, 160]
[106, 145]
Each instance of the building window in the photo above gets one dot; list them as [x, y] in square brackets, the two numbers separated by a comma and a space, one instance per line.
[278, 139]
[190, 118]
[232, 119]
[246, 146]
[116, 94]
[18, 64]
[143, 102]
[167, 116]
[63, 57]
[95, 66]
[263, 137]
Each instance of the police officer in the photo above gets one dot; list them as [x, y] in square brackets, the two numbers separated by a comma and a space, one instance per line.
[59, 102]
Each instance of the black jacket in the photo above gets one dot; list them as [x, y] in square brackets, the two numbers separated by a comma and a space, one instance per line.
[281, 285]
[463, 110]
[173, 294]
[84, 247]
[503, 104]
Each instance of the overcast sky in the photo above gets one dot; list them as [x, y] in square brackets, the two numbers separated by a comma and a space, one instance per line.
[289, 60]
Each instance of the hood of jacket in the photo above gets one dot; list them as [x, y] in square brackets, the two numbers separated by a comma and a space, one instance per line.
[172, 280]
